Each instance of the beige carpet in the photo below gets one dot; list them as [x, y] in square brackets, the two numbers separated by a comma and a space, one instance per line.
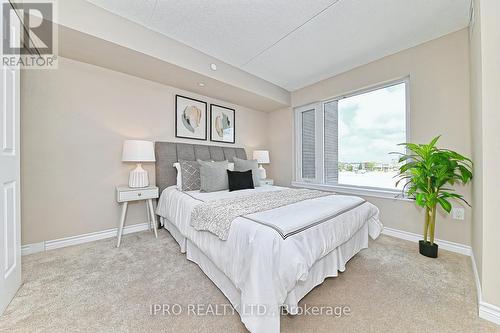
[96, 287]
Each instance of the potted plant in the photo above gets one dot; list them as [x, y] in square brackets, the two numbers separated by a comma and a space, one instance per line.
[427, 170]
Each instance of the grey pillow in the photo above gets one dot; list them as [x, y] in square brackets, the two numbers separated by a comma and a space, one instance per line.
[213, 163]
[213, 176]
[190, 174]
[245, 165]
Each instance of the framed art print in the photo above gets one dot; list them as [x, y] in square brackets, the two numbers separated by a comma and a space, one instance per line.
[222, 124]
[190, 118]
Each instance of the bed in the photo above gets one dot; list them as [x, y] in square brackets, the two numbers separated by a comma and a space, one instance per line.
[271, 259]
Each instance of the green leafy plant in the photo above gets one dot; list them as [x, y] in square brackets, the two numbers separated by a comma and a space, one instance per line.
[427, 170]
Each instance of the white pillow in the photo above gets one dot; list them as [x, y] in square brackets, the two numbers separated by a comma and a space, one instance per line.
[177, 166]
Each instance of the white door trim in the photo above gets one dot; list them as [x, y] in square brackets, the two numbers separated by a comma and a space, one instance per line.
[10, 171]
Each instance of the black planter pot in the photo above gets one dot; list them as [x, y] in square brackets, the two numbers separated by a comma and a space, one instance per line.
[428, 250]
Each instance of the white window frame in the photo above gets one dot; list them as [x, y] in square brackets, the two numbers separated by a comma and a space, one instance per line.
[318, 182]
[318, 130]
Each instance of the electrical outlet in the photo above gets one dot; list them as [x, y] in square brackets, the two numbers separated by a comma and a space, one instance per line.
[458, 213]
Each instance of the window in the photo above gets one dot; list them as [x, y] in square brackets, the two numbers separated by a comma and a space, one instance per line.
[346, 141]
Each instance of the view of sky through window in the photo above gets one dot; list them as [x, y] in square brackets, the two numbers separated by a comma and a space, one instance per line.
[371, 125]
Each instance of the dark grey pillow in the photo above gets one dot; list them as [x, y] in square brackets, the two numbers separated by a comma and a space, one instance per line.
[190, 174]
[213, 176]
[240, 180]
[245, 165]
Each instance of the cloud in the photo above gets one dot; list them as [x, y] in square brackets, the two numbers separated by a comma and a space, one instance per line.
[372, 124]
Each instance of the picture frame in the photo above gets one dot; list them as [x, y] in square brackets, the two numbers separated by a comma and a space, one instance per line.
[222, 124]
[190, 118]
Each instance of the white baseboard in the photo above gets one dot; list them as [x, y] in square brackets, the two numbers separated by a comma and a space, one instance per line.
[476, 279]
[487, 311]
[79, 239]
[32, 248]
[443, 244]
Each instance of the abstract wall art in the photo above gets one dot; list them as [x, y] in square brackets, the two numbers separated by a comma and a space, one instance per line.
[190, 118]
[222, 124]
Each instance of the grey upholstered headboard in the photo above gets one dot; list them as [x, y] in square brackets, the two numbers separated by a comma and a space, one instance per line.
[167, 153]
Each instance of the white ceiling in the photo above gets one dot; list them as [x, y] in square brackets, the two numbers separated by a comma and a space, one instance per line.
[296, 43]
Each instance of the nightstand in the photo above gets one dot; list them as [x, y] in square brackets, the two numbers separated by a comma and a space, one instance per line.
[125, 194]
[264, 182]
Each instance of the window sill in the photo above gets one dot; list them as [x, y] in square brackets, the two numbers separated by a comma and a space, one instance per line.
[367, 192]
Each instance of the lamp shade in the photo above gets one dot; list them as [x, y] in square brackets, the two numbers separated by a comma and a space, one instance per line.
[138, 151]
[262, 156]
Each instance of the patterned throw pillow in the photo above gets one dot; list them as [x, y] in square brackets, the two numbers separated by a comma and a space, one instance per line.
[190, 173]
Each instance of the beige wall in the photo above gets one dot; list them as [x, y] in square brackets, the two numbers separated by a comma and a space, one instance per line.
[74, 121]
[280, 146]
[439, 104]
[485, 90]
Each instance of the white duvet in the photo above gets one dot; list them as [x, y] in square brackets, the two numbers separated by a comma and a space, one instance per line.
[262, 264]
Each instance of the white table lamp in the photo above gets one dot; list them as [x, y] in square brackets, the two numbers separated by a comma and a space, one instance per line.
[138, 151]
[262, 157]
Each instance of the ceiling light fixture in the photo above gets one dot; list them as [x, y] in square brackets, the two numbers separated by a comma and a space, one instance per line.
[213, 67]
[201, 84]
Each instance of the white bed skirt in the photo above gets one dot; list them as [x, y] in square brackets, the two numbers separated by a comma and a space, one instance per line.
[328, 266]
